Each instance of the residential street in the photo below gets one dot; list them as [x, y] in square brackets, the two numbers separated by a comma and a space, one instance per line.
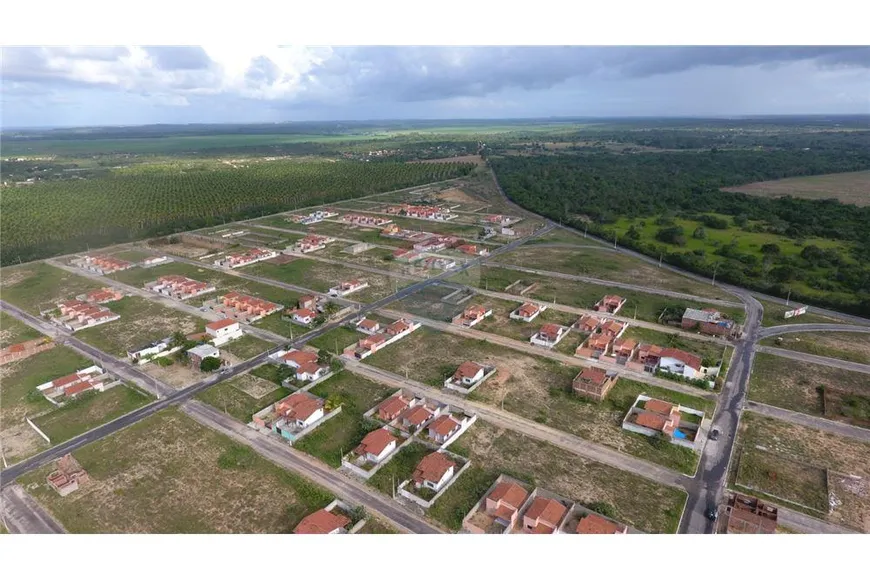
[828, 425]
[20, 513]
[815, 359]
[553, 354]
[285, 456]
[529, 428]
[789, 328]
[804, 524]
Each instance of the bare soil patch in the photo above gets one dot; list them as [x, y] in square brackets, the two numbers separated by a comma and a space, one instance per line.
[19, 440]
[459, 196]
[853, 187]
[254, 386]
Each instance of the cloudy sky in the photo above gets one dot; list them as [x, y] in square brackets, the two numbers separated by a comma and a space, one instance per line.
[75, 86]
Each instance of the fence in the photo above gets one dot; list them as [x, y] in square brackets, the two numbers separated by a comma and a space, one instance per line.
[426, 504]
[360, 472]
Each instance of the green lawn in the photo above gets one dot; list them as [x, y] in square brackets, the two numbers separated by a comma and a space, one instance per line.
[169, 474]
[231, 398]
[344, 431]
[638, 501]
[247, 347]
[848, 346]
[399, 468]
[141, 322]
[39, 286]
[12, 331]
[774, 315]
[90, 410]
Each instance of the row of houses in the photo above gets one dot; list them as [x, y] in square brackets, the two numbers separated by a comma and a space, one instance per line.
[379, 338]
[425, 212]
[77, 314]
[509, 506]
[251, 256]
[243, 307]
[364, 220]
[179, 287]
[101, 264]
[69, 386]
[313, 217]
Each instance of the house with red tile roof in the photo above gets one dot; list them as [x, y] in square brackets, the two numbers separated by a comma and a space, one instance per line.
[443, 428]
[417, 416]
[101, 264]
[587, 323]
[323, 522]
[311, 243]
[611, 304]
[222, 331]
[25, 349]
[92, 377]
[308, 301]
[368, 326]
[390, 334]
[291, 416]
[472, 315]
[250, 256]
[595, 346]
[377, 445]
[433, 471]
[243, 307]
[364, 220]
[505, 501]
[302, 316]
[549, 335]
[621, 351]
[76, 315]
[527, 312]
[594, 383]
[390, 409]
[653, 417]
[101, 296]
[612, 328]
[596, 524]
[650, 358]
[544, 516]
[179, 287]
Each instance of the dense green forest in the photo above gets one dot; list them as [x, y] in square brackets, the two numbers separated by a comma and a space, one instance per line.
[58, 217]
[598, 188]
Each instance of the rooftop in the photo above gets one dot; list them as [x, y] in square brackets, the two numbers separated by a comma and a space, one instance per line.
[432, 467]
[321, 522]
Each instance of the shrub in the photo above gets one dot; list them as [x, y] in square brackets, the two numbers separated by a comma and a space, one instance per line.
[210, 364]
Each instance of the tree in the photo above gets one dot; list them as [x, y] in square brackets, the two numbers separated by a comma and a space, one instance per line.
[323, 356]
[210, 364]
[336, 364]
[770, 250]
[700, 233]
[603, 508]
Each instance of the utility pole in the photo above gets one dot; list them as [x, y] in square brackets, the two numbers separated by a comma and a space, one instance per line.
[635, 311]
[615, 235]
[586, 229]
[660, 259]
[788, 297]
[716, 267]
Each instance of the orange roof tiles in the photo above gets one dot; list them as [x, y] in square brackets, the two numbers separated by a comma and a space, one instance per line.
[375, 442]
[546, 510]
[467, 369]
[432, 468]
[417, 415]
[595, 524]
[392, 407]
[321, 522]
[300, 357]
[651, 420]
[299, 406]
[657, 406]
[219, 324]
[444, 425]
[509, 493]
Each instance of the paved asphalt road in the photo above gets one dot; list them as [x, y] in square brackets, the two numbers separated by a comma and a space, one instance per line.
[318, 472]
[815, 359]
[787, 328]
[804, 524]
[820, 423]
[21, 514]
[623, 285]
[506, 420]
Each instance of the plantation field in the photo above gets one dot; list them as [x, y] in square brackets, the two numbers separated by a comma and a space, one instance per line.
[50, 218]
[853, 187]
[168, 474]
[636, 501]
[847, 461]
[537, 389]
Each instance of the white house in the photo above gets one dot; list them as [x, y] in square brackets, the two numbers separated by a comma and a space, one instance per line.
[467, 374]
[434, 471]
[527, 312]
[346, 288]
[310, 371]
[681, 363]
[303, 315]
[368, 326]
[201, 352]
[223, 331]
[152, 350]
[549, 335]
[377, 445]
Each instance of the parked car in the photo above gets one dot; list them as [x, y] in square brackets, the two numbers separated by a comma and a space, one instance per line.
[712, 513]
[714, 434]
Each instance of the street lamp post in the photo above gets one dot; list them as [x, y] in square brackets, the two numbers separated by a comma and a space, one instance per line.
[716, 267]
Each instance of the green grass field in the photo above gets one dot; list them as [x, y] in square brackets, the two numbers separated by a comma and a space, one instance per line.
[90, 410]
[12, 331]
[234, 399]
[399, 468]
[39, 286]
[247, 347]
[848, 346]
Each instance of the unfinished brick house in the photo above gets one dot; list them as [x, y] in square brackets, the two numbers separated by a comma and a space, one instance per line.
[68, 476]
[587, 323]
[25, 349]
[611, 304]
[179, 287]
[707, 321]
[544, 516]
[750, 515]
[621, 351]
[594, 383]
[595, 347]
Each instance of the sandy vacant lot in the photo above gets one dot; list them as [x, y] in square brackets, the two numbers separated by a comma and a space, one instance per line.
[851, 187]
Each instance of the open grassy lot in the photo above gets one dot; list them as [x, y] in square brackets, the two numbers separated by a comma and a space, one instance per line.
[39, 286]
[428, 303]
[399, 468]
[606, 265]
[222, 281]
[131, 255]
[320, 277]
[344, 431]
[710, 352]
[168, 474]
[796, 385]
[375, 257]
[773, 315]
[537, 389]
[853, 187]
[247, 347]
[637, 501]
[12, 331]
[847, 461]
[19, 397]
[336, 340]
[849, 346]
[644, 306]
[452, 227]
[90, 410]
[333, 229]
[243, 396]
[560, 236]
[141, 322]
[783, 479]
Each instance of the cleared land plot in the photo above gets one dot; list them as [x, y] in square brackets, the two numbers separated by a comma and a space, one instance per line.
[246, 347]
[429, 303]
[560, 236]
[131, 255]
[374, 258]
[849, 346]
[607, 266]
[636, 501]
[243, 396]
[773, 316]
[39, 286]
[853, 187]
[12, 331]
[343, 432]
[20, 398]
[168, 474]
[320, 277]
[334, 229]
[223, 282]
[336, 340]
[648, 307]
[798, 385]
[783, 479]
[537, 389]
[90, 410]
[842, 456]
[141, 322]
